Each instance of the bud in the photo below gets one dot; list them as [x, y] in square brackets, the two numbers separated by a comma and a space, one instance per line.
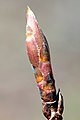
[39, 56]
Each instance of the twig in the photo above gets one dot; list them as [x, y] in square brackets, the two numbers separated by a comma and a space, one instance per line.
[39, 56]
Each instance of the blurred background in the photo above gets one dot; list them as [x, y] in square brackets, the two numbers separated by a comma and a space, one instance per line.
[60, 22]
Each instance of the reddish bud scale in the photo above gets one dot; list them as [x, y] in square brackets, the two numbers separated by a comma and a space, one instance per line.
[38, 52]
[39, 56]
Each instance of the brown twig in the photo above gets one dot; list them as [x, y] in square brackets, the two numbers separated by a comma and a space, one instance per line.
[39, 56]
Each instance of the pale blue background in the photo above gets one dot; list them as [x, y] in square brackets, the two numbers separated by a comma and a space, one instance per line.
[60, 21]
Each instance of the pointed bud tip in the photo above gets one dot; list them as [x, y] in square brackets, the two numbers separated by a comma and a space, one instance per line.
[28, 8]
[31, 19]
[29, 11]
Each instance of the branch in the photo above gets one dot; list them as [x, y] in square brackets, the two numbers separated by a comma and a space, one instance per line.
[39, 56]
